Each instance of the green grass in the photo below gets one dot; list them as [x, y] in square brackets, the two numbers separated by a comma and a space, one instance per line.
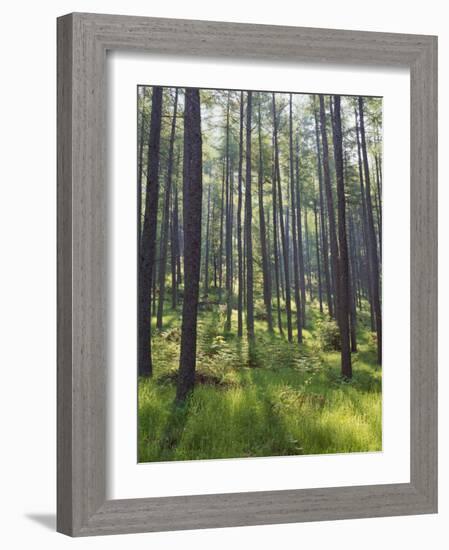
[271, 399]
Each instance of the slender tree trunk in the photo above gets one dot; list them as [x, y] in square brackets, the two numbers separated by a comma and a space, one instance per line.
[368, 268]
[371, 236]
[166, 218]
[353, 286]
[140, 163]
[228, 239]
[220, 252]
[248, 221]
[239, 226]
[244, 258]
[294, 234]
[192, 199]
[322, 216]
[263, 240]
[288, 304]
[232, 221]
[173, 252]
[206, 260]
[343, 271]
[307, 248]
[318, 263]
[275, 243]
[330, 207]
[351, 279]
[174, 239]
[148, 237]
[379, 202]
[280, 251]
[154, 286]
[302, 280]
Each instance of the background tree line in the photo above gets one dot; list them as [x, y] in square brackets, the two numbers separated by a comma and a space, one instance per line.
[263, 204]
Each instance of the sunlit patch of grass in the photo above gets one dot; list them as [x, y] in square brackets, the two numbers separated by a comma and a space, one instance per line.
[272, 398]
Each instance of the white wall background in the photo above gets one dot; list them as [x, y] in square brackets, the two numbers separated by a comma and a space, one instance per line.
[27, 287]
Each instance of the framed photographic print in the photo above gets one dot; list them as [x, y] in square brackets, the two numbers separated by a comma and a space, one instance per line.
[247, 275]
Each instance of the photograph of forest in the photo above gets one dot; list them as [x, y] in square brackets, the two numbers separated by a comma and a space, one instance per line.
[259, 273]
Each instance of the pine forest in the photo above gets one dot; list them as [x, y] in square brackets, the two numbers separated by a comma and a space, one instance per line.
[259, 273]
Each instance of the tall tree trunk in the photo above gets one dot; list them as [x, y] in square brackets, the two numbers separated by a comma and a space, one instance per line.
[351, 279]
[206, 260]
[294, 235]
[263, 239]
[232, 222]
[148, 237]
[140, 161]
[302, 279]
[239, 227]
[173, 251]
[176, 267]
[343, 268]
[222, 217]
[322, 216]
[379, 202]
[192, 198]
[228, 241]
[317, 247]
[288, 304]
[371, 236]
[166, 218]
[364, 216]
[330, 206]
[248, 222]
[277, 274]
[353, 285]
[307, 248]
[244, 258]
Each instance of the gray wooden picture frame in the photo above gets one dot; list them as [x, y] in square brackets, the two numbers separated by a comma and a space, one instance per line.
[83, 40]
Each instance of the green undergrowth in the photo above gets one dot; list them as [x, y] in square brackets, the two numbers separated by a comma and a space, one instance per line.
[270, 398]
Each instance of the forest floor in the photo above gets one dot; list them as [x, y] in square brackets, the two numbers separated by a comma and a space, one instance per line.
[273, 399]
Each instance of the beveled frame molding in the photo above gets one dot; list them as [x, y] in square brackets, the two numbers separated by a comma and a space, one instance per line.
[83, 40]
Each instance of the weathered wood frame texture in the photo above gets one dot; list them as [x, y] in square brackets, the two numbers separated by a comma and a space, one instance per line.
[83, 40]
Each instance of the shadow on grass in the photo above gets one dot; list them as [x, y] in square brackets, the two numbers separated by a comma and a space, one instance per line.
[173, 431]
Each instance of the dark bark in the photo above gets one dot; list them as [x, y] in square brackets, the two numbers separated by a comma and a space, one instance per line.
[248, 226]
[239, 227]
[263, 239]
[192, 198]
[222, 219]
[329, 203]
[324, 241]
[343, 268]
[141, 138]
[206, 259]
[318, 263]
[173, 249]
[228, 240]
[277, 274]
[353, 285]
[307, 254]
[372, 241]
[175, 255]
[302, 279]
[364, 216]
[166, 217]
[288, 304]
[378, 196]
[148, 236]
[294, 229]
[232, 222]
